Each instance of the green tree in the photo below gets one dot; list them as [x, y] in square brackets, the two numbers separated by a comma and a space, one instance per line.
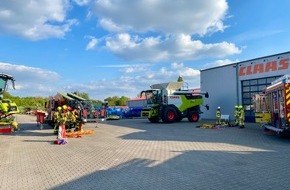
[29, 102]
[123, 100]
[117, 101]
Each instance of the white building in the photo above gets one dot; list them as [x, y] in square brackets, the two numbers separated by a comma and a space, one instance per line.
[137, 102]
[235, 84]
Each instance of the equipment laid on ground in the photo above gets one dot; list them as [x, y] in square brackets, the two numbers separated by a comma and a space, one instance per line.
[7, 107]
[170, 103]
[277, 99]
[213, 126]
[79, 134]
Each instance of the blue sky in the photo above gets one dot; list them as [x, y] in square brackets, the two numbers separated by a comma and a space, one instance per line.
[120, 47]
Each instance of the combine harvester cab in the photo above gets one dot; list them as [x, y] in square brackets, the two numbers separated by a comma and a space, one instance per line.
[278, 101]
[7, 107]
[170, 103]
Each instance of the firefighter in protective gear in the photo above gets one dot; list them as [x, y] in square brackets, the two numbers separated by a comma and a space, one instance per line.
[78, 120]
[241, 117]
[237, 115]
[14, 124]
[71, 118]
[218, 116]
[56, 116]
[61, 128]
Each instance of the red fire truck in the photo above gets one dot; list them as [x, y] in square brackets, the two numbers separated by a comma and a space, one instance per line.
[278, 100]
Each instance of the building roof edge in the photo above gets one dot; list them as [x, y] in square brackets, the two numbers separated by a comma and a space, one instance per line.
[235, 63]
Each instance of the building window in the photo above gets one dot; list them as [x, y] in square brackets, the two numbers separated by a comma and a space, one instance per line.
[262, 81]
[253, 82]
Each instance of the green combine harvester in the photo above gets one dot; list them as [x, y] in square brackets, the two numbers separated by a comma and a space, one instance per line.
[170, 103]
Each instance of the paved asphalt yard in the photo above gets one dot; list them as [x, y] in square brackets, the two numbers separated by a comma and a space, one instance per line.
[135, 154]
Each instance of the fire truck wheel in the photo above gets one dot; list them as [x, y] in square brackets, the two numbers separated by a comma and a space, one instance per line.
[169, 115]
[193, 116]
[283, 135]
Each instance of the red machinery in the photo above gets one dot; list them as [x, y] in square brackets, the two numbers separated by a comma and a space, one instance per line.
[83, 106]
[278, 99]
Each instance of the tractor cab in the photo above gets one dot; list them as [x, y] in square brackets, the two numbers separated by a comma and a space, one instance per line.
[3, 83]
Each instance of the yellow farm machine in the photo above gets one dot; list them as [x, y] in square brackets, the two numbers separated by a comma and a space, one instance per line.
[7, 107]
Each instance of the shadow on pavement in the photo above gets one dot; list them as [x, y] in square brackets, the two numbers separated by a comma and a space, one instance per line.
[251, 136]
[32, 129]
[191, 170]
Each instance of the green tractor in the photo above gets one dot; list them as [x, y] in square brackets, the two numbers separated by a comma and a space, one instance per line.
[170, 103]
[7, 107]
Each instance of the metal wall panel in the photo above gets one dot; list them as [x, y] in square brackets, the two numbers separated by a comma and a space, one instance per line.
[221, 84]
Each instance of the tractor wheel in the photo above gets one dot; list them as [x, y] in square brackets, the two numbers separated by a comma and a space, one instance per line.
[154, 119]
[193, 116]
[169, 115]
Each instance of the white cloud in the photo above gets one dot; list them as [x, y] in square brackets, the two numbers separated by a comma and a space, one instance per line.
[82, 2]
[30, 80]
[134, 80]
[123, 65]
[134, 69]
[35, 20]
[220, 62]
[28, 73]
[171, 16]
[177, 65]
[120, 42]
[173, 48]
[110, 26]
[92, 44]
[158, 30]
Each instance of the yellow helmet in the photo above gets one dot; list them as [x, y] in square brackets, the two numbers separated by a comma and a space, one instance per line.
[236, 106]
[14, 124]
[64, 107]
[240, 107]
[59, 108]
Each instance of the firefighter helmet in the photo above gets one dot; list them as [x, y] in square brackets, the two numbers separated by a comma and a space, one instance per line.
[15, 125]
[240, 107]
[236, 106]
[64, 107]
[69, 108]
[218, 108]
[59, 108]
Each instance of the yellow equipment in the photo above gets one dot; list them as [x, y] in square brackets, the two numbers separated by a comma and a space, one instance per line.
[261, 107]
[7, 107]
